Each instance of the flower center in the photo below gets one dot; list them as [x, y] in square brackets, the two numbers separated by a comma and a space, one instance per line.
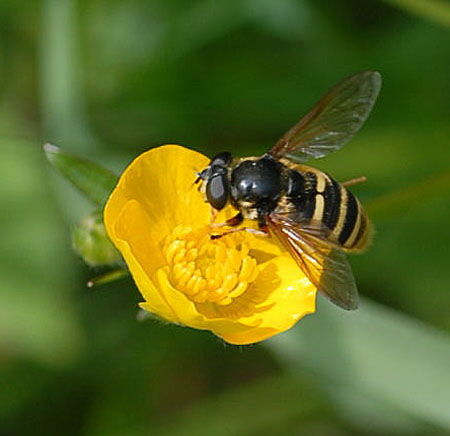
[206, 270]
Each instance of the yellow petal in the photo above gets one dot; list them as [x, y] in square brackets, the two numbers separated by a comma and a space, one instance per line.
[162, 181]
[135, 244]
[292, 298]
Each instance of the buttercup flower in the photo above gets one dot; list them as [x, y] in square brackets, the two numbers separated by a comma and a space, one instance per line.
[243, 287]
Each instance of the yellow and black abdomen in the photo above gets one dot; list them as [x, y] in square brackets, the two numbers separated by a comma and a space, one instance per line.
[320, 200]
[352, 228]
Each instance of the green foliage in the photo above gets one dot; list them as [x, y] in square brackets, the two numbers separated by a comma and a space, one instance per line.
[377, 353]
[110, 79]
[91, 179]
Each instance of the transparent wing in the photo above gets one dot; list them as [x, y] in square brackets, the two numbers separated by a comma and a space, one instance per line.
[333, 121]
[325, 265]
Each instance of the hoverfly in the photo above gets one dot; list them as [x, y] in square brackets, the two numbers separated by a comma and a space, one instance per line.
[316, 218]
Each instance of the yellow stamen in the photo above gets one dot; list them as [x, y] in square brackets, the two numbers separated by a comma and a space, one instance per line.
[205, 270]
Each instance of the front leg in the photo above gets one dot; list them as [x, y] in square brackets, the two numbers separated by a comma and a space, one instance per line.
[231, 222]
[214, 214]
[241, 229]
[236, 220]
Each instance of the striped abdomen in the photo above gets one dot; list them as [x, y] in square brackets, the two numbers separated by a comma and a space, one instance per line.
[319, 198]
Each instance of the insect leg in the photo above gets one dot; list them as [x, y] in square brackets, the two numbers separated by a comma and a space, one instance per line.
[213, 217]
[232, 222]
[354, 181]
[236, 220]
[241, 229]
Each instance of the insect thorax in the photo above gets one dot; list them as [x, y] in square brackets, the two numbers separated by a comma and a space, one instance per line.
[256, 185]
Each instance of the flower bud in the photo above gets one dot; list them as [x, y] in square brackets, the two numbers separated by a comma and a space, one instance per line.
[91, 242]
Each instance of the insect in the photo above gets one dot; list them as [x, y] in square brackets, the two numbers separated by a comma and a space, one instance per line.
[316, 218]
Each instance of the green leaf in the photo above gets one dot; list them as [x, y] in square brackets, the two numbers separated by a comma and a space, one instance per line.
[376, 353]
[435, 10]
[90, 178]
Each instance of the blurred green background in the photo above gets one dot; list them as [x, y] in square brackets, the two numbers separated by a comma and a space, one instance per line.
[110, 79]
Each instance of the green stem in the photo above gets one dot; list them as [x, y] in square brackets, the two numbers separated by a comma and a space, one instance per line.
[108, 277]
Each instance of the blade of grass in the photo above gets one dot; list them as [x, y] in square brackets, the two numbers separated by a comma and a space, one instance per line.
[376, 352]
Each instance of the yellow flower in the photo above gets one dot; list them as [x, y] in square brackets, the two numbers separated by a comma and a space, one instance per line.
[243, 287]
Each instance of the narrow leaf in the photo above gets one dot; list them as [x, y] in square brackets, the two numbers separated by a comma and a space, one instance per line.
[377, 353]
[90, 178]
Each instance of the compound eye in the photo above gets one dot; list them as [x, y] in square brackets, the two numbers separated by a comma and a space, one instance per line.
[217, 191]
